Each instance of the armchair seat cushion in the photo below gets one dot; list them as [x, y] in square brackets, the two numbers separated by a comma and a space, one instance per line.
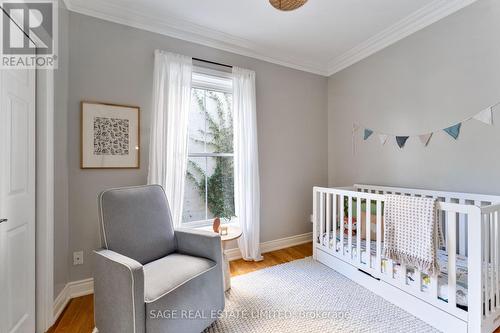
[164, 275]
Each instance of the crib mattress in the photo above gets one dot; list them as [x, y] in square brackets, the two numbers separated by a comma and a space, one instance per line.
[461, 269]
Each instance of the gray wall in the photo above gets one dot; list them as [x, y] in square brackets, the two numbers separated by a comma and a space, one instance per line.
[438, 76]
[114, 63]
[61, 227]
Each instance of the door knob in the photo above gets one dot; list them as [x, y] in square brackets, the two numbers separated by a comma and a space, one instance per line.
[3, 220]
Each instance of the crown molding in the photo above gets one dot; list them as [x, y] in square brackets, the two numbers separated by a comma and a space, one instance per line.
[66, 3]
[187, 31]
[184, 30]
[416, 21]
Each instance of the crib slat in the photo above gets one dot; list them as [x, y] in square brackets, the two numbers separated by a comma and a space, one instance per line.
[315, 217]
[335, 218]
[462, 234]
[328, 218]
[390, 268]
[486, 248]
[402, 278]
[445, 216]
[358, 229]
[497, 263]
[489, 274]
[433, 288]
[418, 281]
[482, 259]
[379, 235]
[474, 265]
[322, 217]
[451, 247]
[341, 221]
[368, 233]
[349, 224]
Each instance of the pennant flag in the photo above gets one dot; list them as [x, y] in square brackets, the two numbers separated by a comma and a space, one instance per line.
[401, 140]
[425, 138]
[368, 133]
[454, 131]
[485, 116]
[383, 138]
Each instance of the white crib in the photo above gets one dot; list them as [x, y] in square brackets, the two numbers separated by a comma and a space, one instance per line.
[471, 231]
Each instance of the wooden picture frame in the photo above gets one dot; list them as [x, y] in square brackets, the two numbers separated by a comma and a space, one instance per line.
[110, 136]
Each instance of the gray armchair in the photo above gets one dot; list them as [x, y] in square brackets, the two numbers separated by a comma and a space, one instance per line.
[150, 278]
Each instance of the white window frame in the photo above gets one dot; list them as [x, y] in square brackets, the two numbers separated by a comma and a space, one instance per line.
[214, 80]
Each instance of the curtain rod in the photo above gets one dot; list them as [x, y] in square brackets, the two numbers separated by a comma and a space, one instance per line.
[213, 62]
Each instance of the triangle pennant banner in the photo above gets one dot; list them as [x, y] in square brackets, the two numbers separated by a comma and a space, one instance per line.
[485, 116]
[454, 131]
[383, 138]
[425, 138]
[368, 133]
[401, 140]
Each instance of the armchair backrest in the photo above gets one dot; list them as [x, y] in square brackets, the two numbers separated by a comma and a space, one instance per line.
[136, 222]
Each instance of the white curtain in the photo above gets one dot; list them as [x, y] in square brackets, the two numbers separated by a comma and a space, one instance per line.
[246, 163]
[169, 127]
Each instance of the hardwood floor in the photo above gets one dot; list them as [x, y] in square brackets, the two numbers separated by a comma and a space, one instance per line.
[78, 317]
[239, 267]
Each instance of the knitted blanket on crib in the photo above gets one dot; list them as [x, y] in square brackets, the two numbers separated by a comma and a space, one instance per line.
[411, 232]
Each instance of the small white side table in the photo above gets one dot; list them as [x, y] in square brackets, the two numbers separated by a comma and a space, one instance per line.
[233, 232]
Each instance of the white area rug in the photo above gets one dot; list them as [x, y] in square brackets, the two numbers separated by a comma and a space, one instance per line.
[306, 296]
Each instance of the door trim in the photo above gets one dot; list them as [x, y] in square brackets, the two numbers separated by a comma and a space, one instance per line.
[44, 200]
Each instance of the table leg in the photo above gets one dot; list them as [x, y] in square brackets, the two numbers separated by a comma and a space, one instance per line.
[227, 272]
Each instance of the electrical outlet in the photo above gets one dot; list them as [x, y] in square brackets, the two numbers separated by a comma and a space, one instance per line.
[78, 258]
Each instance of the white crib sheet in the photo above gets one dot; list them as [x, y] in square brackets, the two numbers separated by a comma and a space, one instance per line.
[461, 268]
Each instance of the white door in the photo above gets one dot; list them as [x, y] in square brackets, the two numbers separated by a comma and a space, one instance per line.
[17, 201]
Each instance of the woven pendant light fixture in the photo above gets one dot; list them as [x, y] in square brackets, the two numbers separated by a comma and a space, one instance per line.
[287, 5]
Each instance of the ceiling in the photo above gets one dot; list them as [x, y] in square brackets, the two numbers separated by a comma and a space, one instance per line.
[322, 37]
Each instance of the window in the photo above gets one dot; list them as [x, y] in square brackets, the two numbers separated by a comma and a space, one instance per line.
[209, 189]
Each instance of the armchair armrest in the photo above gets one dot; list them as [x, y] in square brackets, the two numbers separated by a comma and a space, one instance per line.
[118, 293]
[199, 243]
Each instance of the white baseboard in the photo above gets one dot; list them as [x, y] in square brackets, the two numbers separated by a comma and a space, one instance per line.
[274, 245]
[71, 290]
[60, 303]
[86, 287]
[81, 288]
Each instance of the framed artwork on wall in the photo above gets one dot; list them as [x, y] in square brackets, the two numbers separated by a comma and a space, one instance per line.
[110, 136]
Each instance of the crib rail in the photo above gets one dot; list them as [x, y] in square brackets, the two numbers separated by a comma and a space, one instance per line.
[456, 197]
[479, 200]
[339, 212]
